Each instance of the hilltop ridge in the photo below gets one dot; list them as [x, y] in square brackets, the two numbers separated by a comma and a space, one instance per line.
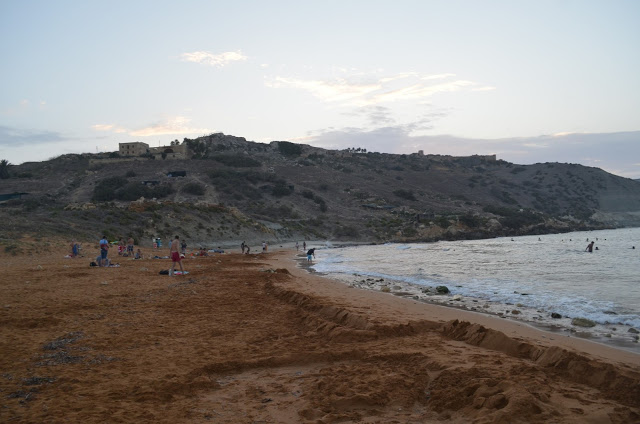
[237, 190]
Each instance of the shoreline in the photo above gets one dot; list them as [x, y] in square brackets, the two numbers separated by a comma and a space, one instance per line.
[610, 332]
[446, 311]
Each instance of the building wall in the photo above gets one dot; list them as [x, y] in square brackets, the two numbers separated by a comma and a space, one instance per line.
[133, 149]
[179, 151]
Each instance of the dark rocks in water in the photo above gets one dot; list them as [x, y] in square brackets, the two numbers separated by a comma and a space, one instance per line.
[583, 322]
[515, 312]
[633, 331]
[610, 313]
[555, 315]
[442, 290]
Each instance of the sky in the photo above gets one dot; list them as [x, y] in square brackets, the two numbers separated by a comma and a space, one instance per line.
[529, 80]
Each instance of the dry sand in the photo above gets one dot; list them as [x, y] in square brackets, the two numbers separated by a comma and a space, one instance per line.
[254, 339]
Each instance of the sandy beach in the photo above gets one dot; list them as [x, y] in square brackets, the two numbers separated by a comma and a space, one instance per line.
[256, 339]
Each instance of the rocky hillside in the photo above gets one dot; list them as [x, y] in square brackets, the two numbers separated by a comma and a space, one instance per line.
[234, 190]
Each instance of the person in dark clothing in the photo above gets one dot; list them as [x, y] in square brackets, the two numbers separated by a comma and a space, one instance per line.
[590, 247]
[311, 253]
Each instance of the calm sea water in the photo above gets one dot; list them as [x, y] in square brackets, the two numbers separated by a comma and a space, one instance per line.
[554, 270]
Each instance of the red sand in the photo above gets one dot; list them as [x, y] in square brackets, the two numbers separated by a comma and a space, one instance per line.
[252, 338]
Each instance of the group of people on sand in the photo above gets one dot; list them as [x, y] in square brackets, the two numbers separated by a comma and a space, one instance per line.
[246, 249]
[126, 250]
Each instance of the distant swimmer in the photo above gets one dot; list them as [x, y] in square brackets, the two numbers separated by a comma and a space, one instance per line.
[590, 247]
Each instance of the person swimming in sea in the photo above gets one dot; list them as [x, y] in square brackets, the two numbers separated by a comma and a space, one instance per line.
[590, 247]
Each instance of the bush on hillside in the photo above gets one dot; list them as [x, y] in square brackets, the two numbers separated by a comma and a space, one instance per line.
[287, 148]
[117, 188]
[405, 194]
[238, 160]
[280, 190]
[194, 188]
[105, 190]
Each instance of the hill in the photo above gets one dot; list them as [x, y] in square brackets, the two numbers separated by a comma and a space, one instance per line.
[237, 190]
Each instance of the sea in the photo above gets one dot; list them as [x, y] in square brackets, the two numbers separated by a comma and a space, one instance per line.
[536, 275]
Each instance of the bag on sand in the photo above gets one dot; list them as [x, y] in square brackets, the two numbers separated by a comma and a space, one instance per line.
[93, 264]
[164, 272]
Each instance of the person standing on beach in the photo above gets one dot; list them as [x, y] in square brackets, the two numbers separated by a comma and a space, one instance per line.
[297, 246]
[242, 247]
[104, 250]
[184, 247]
[130, 244]
[310, 253]
[74, 248]
[304, 245]
[174, 252]
[590, 247]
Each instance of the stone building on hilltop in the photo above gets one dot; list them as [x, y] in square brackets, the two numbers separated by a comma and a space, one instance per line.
[136, 148]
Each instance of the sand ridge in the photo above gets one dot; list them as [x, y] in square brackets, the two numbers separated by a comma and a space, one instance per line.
[252, 338]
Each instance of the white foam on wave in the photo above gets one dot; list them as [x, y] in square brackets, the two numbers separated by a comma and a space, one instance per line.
[553, 271]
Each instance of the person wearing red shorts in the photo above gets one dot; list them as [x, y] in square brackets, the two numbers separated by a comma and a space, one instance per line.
[174, 252]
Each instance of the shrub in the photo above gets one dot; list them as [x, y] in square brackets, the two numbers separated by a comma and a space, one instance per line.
[442, 221]
[287, 148]
[238, 160]
[280, 190]
[471, 221]
[105, 190]
[132, 191]
[194, 188]
[4, 169]
[320, 201]
[405, 194]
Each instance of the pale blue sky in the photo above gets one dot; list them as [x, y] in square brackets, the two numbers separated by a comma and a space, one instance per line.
[448, 77]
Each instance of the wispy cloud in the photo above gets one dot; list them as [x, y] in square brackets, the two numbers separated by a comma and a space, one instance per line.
[215, 60]
[168, 126]
[174, 125]
[109, 127]
[339, 90]
[358, 89]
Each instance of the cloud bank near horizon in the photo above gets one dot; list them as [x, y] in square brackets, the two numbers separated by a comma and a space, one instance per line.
[597, 150]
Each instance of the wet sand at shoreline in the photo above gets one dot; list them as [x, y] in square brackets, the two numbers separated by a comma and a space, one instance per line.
[254, 338]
